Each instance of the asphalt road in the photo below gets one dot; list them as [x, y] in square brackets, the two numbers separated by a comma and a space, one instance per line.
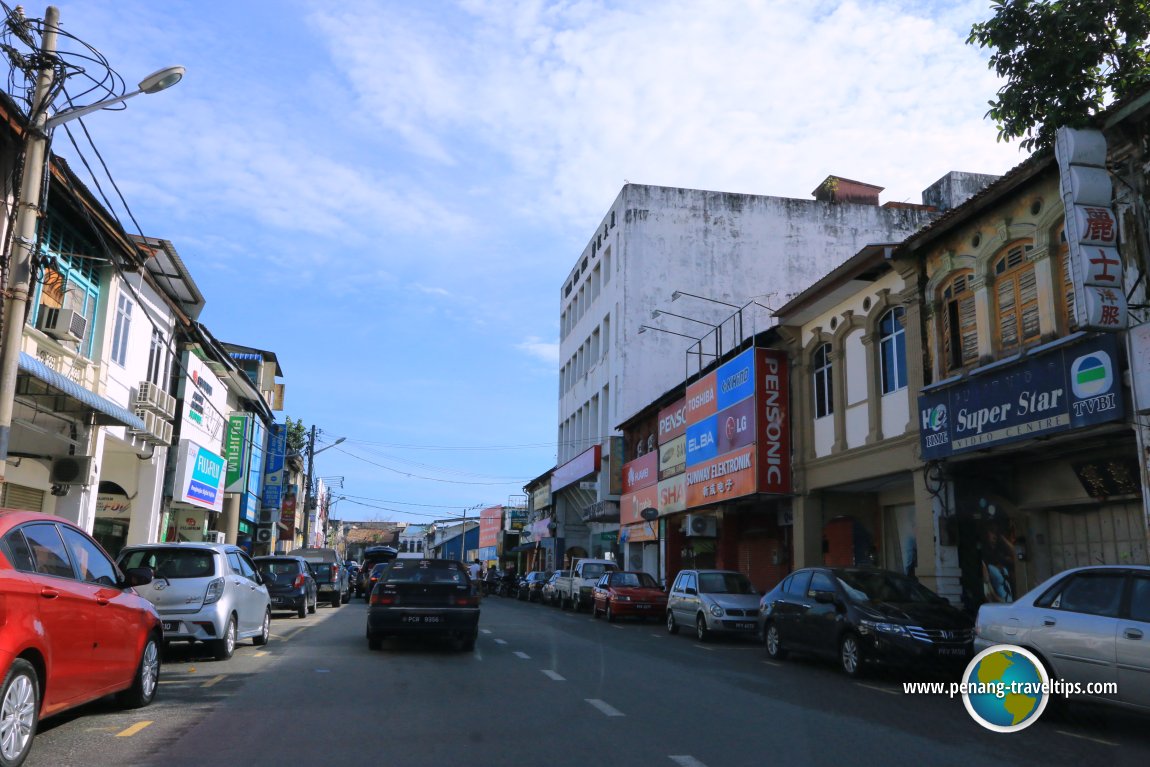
[547, 687]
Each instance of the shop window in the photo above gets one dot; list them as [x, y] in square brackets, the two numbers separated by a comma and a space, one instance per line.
[959, 323]
[824, 392]
[892, 349]
[1016, 294]
[121, 330]
[1067, 280]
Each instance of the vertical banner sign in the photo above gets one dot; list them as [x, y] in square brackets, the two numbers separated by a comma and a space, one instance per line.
[274, 467]
[774, 430]
[236, 451]
[1091, 230]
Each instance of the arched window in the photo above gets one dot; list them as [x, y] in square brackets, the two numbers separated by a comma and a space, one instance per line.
[892, 349]
[1016, 297]
[824, 393]
[959, 323]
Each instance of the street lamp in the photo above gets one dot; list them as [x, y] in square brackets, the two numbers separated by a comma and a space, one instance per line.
[28, 213]
[679, 294]
[309, 502]
[645, 328]
[659, 312]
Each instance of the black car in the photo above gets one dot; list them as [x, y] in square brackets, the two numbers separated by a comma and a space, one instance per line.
[531, 585]
[372, 556]
[424, 597]
[864, 615]
[290, 582]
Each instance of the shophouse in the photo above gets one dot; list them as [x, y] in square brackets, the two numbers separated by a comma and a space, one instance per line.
[622, 341]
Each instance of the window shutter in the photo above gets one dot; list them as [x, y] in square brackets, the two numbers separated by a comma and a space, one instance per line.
[20, 497]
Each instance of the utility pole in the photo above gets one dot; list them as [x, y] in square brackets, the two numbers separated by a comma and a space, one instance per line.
[309, 498]
[24, 236]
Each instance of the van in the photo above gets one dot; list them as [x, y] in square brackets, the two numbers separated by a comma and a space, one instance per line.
[330, 574]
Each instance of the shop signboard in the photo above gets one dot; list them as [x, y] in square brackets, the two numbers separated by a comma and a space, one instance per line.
[631, 505]
[673, 457]
[673, 421]
[672, 495]
[490, 525]
[199, 476]
[205, 399]
[641, 472]
[1066, 388]
[577, 468]
[541, 496]
[236, 446]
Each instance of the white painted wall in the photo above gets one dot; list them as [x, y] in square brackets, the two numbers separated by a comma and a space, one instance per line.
[896, 413]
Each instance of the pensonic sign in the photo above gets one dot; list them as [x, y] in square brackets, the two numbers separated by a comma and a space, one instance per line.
[738, 435]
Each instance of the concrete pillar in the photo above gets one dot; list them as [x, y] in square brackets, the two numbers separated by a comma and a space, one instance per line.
[231, 517]
[146, 513]
[926, 533]
[807, 512]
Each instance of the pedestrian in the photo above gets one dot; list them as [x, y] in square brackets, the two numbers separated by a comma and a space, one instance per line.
[475, 570]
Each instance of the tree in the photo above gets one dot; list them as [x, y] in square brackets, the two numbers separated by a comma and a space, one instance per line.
[296, 435]
[1064, 61]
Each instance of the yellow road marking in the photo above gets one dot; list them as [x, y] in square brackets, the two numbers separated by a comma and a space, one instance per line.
[260, 654]
[132, 730]
[214, 681]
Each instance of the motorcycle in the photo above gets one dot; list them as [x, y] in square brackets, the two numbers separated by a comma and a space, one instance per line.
[508, 585]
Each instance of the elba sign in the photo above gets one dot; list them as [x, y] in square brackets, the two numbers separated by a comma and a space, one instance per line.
[1066, 388]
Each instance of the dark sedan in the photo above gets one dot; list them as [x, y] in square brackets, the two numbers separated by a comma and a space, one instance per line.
[531, 586]
[864, 615]
[424, 597]
[290, 583]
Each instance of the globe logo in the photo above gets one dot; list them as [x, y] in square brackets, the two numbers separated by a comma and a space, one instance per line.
[1091, 375]
[1005, 688]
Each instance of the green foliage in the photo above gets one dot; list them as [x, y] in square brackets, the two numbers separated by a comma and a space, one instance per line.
[1063, 60]
[296, 435]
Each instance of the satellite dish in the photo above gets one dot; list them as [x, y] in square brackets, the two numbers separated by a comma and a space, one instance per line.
[649, 514]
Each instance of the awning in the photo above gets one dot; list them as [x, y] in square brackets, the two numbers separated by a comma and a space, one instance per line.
[64, 395]
[522, 547]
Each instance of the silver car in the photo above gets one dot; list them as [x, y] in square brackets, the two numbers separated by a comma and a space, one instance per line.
[714, 602]
[1089, 624]
[204, 592]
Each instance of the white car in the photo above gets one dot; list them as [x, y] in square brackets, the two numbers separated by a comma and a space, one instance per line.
[204, 592]
[1089, 624]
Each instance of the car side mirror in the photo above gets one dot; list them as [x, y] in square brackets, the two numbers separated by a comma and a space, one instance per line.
[691, 590]
[138, 576]
[825, 597]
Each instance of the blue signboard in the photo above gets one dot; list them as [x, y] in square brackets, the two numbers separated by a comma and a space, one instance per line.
[735, 380]
[1065, 388]
[701, 441]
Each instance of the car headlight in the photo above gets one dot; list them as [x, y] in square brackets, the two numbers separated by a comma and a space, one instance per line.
[716, 611]
[622, 598]
[882, 628]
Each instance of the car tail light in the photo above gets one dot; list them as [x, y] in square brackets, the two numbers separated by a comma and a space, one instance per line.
[382, 598]
[298, 582]
[214, 591]
[468, 601]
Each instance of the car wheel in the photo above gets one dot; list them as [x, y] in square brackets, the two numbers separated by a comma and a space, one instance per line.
[335, 600]
[850, 655]
[771, 640]
[701, 630]
[266, 632]
[225, 646]
[302, 611]
[610, 614]
[20, 709]
[143, 689]
[314, 606]
[374, 642]
[594, 609]
[672, 627]
[345, 597]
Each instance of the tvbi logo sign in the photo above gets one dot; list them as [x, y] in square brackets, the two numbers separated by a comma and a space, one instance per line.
[934, 426]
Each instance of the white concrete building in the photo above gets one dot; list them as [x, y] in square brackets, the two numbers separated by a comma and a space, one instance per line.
[728, 257]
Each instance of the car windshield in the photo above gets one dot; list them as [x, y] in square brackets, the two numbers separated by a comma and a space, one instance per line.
[633, 580]
[724, 583]
[593, 571]
[882, 586]
[172, 563]
[426, 572]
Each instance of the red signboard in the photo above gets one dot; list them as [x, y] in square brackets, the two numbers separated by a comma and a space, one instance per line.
[577, 468]
[673, 421]
[490, 523]
[701, 401]
[631, 505]
[641, 472]
[774, 423]
[722, 479]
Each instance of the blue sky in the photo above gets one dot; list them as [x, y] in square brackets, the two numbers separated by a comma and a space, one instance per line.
[389, 194]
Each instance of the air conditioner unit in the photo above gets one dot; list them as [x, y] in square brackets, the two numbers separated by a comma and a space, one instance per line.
[215, 536]
[701, 526]
[150, 420]
[164, 432]
[62, 324]
[263, 535]
[71, 470]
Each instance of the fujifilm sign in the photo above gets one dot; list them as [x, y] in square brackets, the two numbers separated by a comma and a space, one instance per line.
[1064, 388]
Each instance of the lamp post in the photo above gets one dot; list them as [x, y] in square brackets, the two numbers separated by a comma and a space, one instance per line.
[28, 213]
[310, 500]
[738, 313]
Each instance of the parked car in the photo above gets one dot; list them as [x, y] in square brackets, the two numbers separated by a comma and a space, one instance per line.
[74, 630]
[373, 577]
[204, 592]
[628, 594]
[714, 602]
[575, 588]
[424, 597]
[531, 585]
[290, 583]
[1089, 624]
[549, 593]
[864, 615]
[372, 556]
[330, 574]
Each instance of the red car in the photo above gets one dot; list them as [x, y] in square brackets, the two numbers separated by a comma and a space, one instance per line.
[72, 629]
[628, 593]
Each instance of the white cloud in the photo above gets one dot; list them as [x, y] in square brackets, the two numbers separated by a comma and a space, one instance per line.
[545, 351]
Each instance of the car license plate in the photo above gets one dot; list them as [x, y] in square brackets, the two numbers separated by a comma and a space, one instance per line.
[171, 625]
[957, 652]
[422, 619]
[642, 607]
[744, 626]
